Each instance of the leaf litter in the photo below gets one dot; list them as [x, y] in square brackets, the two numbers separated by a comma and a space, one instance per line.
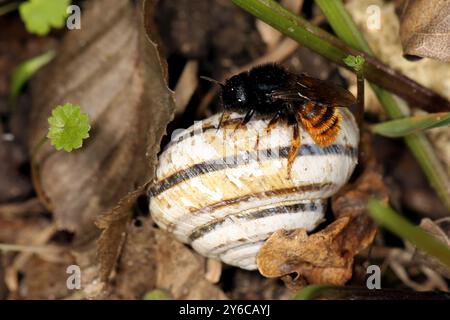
[132, 256]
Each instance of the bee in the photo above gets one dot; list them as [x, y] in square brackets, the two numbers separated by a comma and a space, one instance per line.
[270, 91]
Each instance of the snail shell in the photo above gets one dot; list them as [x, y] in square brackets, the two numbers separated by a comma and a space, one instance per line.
[216, 192]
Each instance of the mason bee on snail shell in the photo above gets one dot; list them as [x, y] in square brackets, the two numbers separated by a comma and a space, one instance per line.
[224, 187]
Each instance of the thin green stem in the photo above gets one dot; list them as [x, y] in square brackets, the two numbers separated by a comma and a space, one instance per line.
[398, 225]
[7, 8]
[425, 155]
[360, 99]
[357, 63]
[342, 23]
[346, 29]
[313, 291]
[320, 41]
[37, 148]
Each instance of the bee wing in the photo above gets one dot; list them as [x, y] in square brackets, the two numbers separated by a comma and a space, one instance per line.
[323, 93]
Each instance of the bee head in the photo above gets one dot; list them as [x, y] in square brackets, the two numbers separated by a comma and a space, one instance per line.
[234, 93]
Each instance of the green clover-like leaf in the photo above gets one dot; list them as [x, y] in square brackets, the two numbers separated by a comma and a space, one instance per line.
[355, 62]
[68, 126]
[40, 16]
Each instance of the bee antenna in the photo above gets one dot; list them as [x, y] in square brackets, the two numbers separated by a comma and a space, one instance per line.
[212, 80]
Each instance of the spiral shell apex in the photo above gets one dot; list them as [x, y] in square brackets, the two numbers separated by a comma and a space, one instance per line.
[225, 191]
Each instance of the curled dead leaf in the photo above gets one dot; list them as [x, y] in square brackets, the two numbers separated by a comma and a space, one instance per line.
[113, 222]
[181, 271]
[113, 225]
[136, 271]
[425, 28]
[151, 258]
[114, 72]
[327, 256]
[287, 252]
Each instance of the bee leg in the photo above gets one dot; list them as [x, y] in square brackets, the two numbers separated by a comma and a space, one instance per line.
[273, 122]
[224, 117]
[295, 145]
[244, 121]
[257, 142]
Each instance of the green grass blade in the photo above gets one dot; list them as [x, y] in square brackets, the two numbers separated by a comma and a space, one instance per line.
[156, 294]
[312, 291]
[405, 126]
[342, 23]
[398, 225]
[7, 8]
[25, 70]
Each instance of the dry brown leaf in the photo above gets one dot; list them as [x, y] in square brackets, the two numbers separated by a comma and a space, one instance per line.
[31, 207]
[113, 225]
[152, 258]
[186, 86]
[13, 184]
[181, 272]
[113, 71]
[14, 269]
[425, 28]
[248, 285]
[38, 272]
[327, 255]
[113, 222]
[136, 270]
[287, 252]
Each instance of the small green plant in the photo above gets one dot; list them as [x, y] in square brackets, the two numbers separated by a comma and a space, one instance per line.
[68, 127]
[40, 16]
[355, 62]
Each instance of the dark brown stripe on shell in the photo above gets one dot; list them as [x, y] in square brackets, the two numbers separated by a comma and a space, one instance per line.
[241, 246]
[259, 195]
[264, 194]
[226, 247]
[244, 158]
[283, 209]
[203, 129]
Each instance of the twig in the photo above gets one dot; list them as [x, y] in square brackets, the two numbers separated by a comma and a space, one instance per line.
[336, 50]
